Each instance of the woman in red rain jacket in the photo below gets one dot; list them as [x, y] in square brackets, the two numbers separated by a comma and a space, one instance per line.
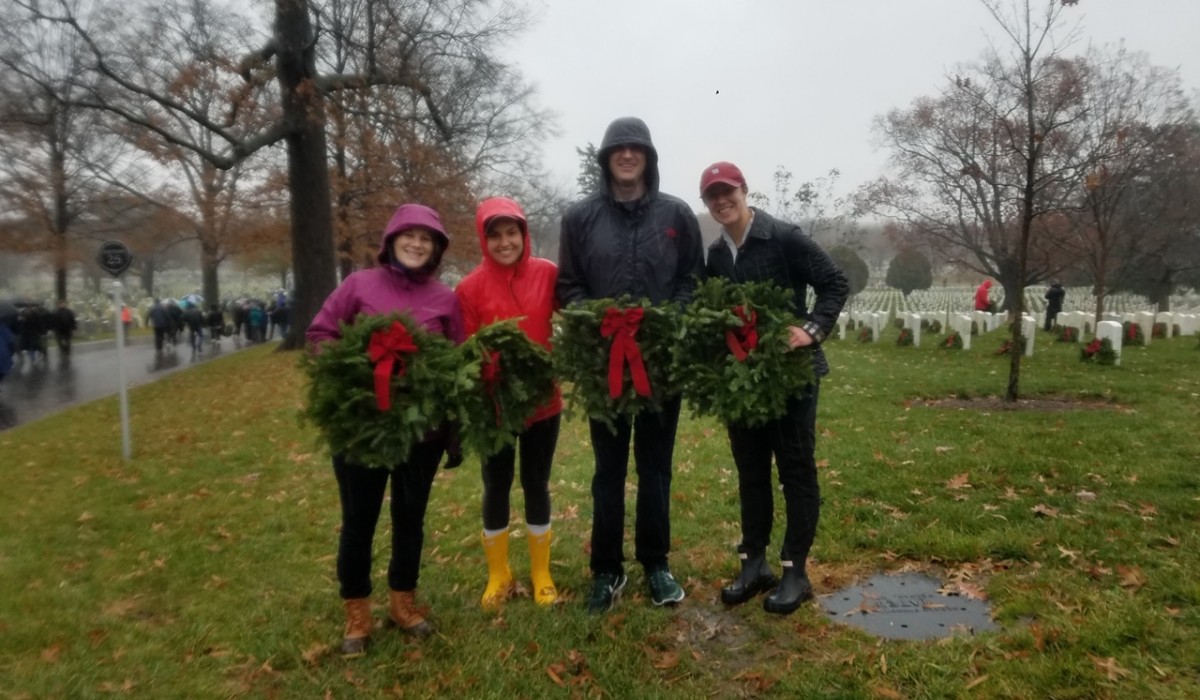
[511, 283]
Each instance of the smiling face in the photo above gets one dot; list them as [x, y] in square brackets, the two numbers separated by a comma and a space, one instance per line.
[505, 242]
[627, 165]
[413, 247]
[728, 206]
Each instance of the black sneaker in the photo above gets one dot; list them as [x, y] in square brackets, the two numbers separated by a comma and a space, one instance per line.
[606, 588]
[663, 588]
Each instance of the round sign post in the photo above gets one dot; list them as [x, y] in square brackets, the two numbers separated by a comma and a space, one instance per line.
[114, 258]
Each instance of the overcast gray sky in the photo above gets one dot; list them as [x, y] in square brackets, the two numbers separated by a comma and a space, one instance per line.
[799, 81]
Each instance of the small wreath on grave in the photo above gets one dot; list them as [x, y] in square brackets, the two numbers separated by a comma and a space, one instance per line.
[865, 334]
[511, 378]
[1005, 347]
[1068, 334]
[1176, 331]
[1159, 330]
[1099, 351]
[905, 339]
[935, 327]
[836, 333]
[953, 341]
[615, 356]
[382, 388]
[974, 328]
[733, 358]
[1133, 334]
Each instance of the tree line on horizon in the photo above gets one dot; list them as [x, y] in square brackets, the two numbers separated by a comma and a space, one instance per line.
[283, 140]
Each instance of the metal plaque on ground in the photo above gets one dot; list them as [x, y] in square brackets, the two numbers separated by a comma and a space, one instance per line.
[907, 606]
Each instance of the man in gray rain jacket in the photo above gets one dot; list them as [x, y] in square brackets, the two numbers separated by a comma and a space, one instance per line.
[630, 239]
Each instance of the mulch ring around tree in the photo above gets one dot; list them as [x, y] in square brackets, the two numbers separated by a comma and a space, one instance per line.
[1048, 403]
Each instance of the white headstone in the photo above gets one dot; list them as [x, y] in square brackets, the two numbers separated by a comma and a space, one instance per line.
[1112, 331]
[913, 323]
[1028, 328]
[963, 325]
[1145, 319]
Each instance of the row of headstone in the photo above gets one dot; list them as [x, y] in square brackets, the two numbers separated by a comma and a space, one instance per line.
[1189, 324]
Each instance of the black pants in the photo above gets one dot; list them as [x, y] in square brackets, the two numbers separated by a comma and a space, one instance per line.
[361, 490]
[160, 334]
[653, 449]
[537, 443]
[1050, 316]
[792, 440]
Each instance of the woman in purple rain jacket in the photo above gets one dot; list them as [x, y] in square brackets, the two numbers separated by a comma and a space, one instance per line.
[409, 254]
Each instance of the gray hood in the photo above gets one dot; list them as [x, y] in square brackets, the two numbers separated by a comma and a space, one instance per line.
[629, 131]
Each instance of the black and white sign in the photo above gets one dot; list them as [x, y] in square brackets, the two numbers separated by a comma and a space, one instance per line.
[114, 257]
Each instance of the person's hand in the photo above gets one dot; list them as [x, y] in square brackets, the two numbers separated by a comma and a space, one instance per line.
[798, 338]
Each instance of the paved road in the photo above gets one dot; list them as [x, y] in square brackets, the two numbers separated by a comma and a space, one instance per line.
[36, 389]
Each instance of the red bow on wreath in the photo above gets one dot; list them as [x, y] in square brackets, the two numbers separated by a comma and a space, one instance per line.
[622, 326]
[743, 339]
[490, 374]
[384, 350]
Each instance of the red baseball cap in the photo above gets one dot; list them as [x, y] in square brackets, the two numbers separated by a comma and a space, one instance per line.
[723, 173]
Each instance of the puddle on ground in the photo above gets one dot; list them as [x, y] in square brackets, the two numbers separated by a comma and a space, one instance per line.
[907, 606]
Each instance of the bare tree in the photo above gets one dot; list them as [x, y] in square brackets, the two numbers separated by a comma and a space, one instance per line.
[420, 50]
[49, 145]
[1135, 111]
[981, 166]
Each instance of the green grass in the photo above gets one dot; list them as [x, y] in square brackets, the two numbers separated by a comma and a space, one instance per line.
[204, 567]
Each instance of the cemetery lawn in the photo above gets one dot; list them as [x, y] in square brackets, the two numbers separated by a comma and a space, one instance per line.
[204, 568]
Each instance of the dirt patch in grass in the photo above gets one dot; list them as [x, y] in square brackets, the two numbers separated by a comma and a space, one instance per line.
[1042, 404]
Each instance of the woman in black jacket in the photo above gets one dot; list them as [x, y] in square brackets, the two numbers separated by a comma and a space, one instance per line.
[756, 247]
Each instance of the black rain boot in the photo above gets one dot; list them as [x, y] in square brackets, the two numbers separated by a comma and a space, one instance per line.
[793, 589]
[756, 577]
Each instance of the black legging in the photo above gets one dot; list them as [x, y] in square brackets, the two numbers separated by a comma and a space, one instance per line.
[537, 444]
[361, 490]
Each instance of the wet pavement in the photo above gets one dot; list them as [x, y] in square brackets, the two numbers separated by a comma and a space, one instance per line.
[35, 389]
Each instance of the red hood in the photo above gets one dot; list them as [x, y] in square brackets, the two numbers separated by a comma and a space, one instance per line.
[492, 208]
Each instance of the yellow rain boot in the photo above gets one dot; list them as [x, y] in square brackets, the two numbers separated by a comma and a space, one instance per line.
[500, 585]
[544, 592]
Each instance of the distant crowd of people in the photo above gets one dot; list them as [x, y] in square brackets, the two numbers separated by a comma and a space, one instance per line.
[253, 320]
[26, 332]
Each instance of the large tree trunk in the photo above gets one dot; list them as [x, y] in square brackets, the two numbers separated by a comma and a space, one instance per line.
[59, 178]
[146, 276]
[312, 223]
[209, 263]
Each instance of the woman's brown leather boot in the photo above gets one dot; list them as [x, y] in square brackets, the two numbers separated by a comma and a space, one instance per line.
[403, 612]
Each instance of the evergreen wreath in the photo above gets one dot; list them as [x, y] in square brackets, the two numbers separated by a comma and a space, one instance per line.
[732, 358]
[511, 378]
[905, 339]
[602, 339]
[1068, 334]
[1159, 330]
[865, 334]
[1099, 351]
[382, 388]
[1133, 334]
[953, 341]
